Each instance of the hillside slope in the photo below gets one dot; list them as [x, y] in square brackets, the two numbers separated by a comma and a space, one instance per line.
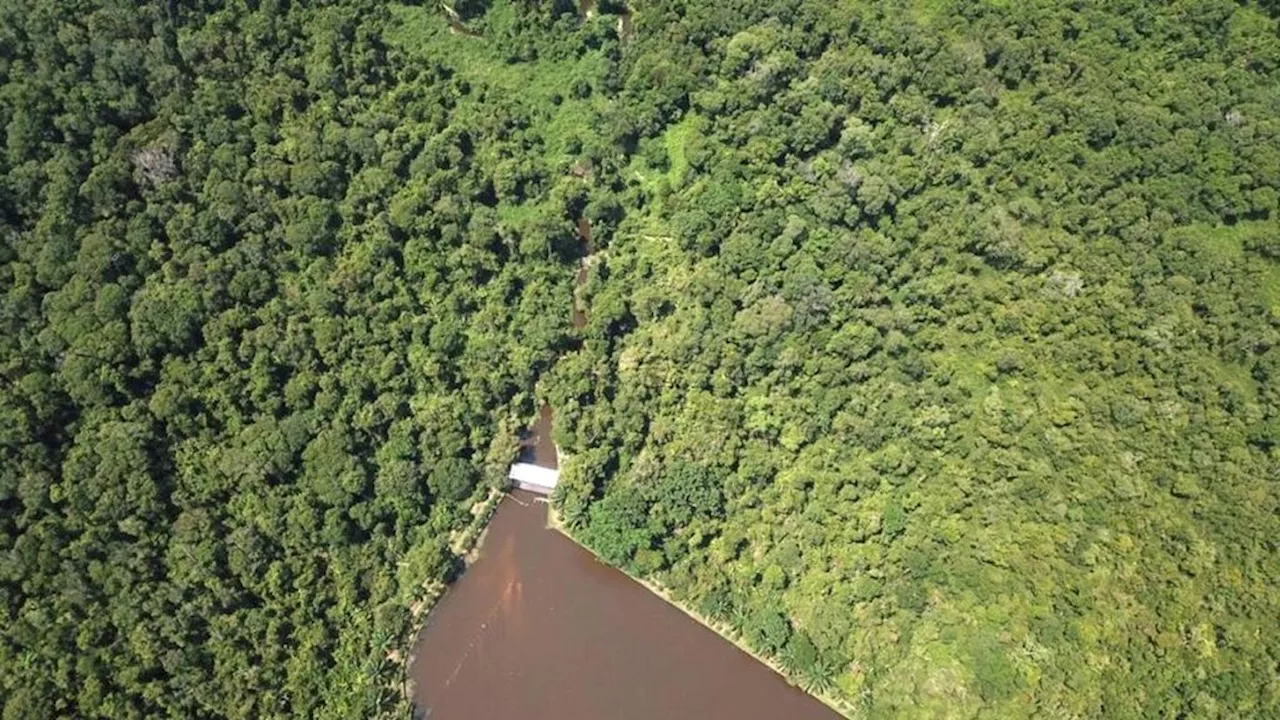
[937, 352]
[931, 345]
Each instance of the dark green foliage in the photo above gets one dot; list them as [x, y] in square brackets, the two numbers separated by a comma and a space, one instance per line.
[931, 345]
[767, 630]
[686, 491]
[617, 528]
[258, 330]
[452, 480]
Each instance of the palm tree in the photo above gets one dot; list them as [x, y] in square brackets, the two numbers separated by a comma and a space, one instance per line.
[819, 677]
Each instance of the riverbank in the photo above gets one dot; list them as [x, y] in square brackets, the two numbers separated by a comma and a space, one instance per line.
[464, 544]
[554, 522]
[538, 628]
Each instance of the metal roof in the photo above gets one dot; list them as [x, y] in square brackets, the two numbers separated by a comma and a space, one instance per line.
[536, 475]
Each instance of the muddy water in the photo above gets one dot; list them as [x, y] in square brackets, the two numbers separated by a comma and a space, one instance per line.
[538, 629]
[537, 446]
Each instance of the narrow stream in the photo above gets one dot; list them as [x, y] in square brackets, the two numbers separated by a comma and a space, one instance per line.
[625, 26]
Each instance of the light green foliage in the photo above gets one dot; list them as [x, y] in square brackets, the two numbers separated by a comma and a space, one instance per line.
[929, 345]
[971, 312]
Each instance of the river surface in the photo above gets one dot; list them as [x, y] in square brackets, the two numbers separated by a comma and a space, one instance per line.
[537, 446]
[538, 629]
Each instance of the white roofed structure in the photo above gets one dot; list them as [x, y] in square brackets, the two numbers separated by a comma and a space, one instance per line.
[536, 478]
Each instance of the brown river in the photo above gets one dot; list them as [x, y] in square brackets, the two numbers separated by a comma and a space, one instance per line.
[538, 629]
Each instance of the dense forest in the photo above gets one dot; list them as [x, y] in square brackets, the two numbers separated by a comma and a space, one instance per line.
[930, 345]
[263, 342]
